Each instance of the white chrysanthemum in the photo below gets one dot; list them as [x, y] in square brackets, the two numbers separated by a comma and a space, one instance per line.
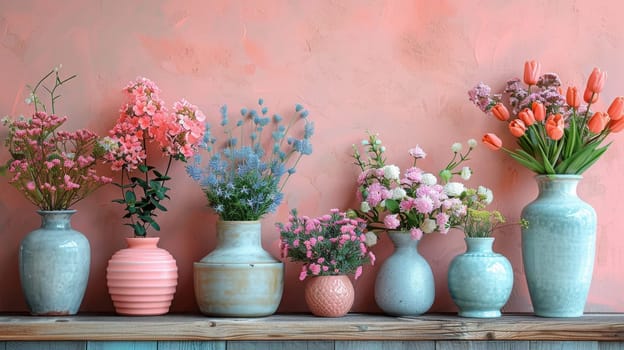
[454, 189]
[428, 225]
[365, 207]
[391, 172]
[398, 193]
[485, 193]
[466, 173]
[371, 239]
[472, 143]
[456, 147]
[429, 179]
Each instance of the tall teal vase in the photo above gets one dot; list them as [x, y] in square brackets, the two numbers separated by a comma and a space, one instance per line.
[404, 284]
[558, 247]
[480, 280]
[54, 265]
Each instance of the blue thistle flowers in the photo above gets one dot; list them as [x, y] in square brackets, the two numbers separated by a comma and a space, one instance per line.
[241, 179]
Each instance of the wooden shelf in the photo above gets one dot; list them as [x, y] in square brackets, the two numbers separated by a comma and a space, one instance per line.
[594, 327]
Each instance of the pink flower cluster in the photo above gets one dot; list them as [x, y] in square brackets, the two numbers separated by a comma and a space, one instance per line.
[145, 119]
[332, 244]
[415, 202]
[54, 169]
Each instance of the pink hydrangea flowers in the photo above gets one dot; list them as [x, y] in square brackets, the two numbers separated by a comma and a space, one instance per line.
[144, 119]
[332, 244]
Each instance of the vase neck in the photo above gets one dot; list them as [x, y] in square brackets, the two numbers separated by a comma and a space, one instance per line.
[479, 244]
[239, 233]
[56, 219]
[402, 240]
[558, 184]
[142, 242]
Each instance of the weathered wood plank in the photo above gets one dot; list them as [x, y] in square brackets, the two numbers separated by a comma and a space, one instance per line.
[490, 345]
[191, 345]
[610, 345]
[608, 327]
[384, 345]
[280, 345]
[564, 345]
[47, 345]
[122, 345]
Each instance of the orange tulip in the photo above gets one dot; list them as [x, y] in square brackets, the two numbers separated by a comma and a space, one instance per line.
[596, 80]
[492, 141]
[597, 122]
[555, 126]
[500, 112]
[589, 96]
[517, 128]
[617, 108]
[573, 98]
[616, 125]
[527, 117]
[531, 72]
[539, 111]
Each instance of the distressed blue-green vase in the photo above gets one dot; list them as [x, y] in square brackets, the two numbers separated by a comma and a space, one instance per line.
[480, 280]
[54, 265]
[558, 247]
[404, 285]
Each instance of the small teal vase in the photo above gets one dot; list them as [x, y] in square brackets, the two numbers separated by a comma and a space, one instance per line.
[558, 247]
[480, 280]
[404, 285]
[54, 265]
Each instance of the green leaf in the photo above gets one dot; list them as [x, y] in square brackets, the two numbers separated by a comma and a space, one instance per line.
[120, 201]
[392, 205]
[155, 225]
[130, 197]
[139, 230]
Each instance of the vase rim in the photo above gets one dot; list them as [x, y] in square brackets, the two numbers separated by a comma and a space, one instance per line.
[479, 238]
[143, 238]
[60, 211]
[559, 176]
[239, 221]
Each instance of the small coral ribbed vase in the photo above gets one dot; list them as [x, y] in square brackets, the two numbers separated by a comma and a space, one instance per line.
[142, 278]
[329, 296]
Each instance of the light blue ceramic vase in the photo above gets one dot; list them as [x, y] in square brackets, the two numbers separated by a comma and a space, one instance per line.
[54, 265]
[558, 247]
[239, 278]
[404, 284]
[480, 280]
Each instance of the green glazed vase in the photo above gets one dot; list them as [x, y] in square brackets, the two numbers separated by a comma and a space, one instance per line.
[558, 247]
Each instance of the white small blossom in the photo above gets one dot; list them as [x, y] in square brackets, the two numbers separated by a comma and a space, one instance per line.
[429, 179]
[428, 225]
[371, 239]
[398, 193]
[378, 142]
[364, 142]
[486, 193]
[383, 148]
[454, 189]
[391, 172]
[472, 143]
[365, 207]
[456, 147]
[466, 173]
[382, 203]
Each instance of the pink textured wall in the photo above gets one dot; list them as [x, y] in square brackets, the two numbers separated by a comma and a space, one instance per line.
[401, 68]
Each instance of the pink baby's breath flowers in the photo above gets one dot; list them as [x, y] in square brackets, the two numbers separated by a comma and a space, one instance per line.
[54, 169]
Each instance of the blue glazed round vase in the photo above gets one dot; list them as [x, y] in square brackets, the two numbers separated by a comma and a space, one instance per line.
[480, 280]
[54, 265]
[558, 247]
[404, 285]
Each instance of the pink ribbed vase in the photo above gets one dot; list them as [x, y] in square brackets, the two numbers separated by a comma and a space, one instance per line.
[329, 296]
[142, 278]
